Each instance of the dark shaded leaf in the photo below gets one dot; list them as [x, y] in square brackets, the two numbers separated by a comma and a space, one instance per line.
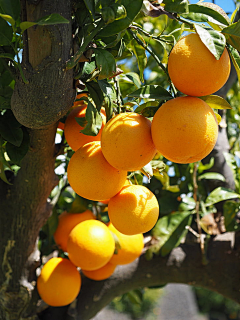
[94, 121]
[232, 34]
[53, 18]
[10, 129]
[6, 33]
[105, 62]
[230, 210]
[16, 154]
[95, 93]
[178, 6]
[10, 7]
[90, 4]
[235, 57]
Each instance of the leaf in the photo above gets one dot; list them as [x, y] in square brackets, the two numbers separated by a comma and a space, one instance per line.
[148, 104]
[8, 18]
[230, 210]
[16, 154]
[6, 33]
[90, 4]
[95, 93]
[216, 102]
[10, 129]
[171, 229]
[94, 121]
[178, 6]
[11, 7]
[26, 24]
[140, 54]
[187, 204]
[213, 40]
[79, 205]
[132, 9]
[110, 97]
[151, 92]
[220, 194]
[134, 78]
[105, 63]
[232, 34]
[50, 19]
[235, 57]
[201, 13]
[211, 176]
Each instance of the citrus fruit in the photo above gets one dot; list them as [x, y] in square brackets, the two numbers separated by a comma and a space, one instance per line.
[91, 176]
[74, 137]
[100, 274]
[133, 210]
[90, 245]
[194, 70]
[127, 183]
[126, 141]
[130, 246]
[66, 222]
[59, 282]
[184, 129]
[79, 102]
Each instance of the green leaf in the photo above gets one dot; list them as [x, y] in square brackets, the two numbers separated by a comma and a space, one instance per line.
[26, 24]
[178, 6]
[187, 204]
[79, 205]
[216, 102]
[132, 9]
[110, 97]
[140, 54]
[105, 63]
[171, 229]
[151, 92]
[94, 121]
[2, 174]
[211, 176]
[134, 78]
[232, 34]
[230, 210]
[50, 19]
[213, 40]
[220, 194]
[95, 93]
[148, 104]
[235, 57]
[8, 18]
[120, 11]
[90, 4]
[10, 129]
[16, 154]
[201, 13]
[11, 7]
[6, 33]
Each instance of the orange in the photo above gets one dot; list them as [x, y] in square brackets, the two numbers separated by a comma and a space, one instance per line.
[126, 141]
[59, 282]
[79, 102]
[60, 125]
[90, 245]
[184, 129]
[74, 137]
[66, 222]
[131, 247]
[100, 274]
[91, 176]
[133, 210]
[194, 70]
[127, 183]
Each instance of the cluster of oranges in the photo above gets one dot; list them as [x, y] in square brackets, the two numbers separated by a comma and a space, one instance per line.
[184, 130]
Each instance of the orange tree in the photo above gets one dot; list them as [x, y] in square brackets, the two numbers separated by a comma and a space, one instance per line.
[116, 53]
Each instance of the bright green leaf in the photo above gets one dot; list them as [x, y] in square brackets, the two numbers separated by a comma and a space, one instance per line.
[171, 229]
[26, 24]
[213, 40]
[211, 176]
[152, 92]
[8, 18]
[232, 34]
[220, 194]
[216, 102]
[140, 54]
[235, 57]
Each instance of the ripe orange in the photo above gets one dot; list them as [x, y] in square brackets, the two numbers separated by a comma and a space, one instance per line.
[184, 129]
[59, 282]
[127, 183]
[100, 274]
[74, 137]
[126, 141]
[133, 210]
[66, 222]
[90, 245]
[194, 70]
[79, 102]
[91, 176]
[131, 247]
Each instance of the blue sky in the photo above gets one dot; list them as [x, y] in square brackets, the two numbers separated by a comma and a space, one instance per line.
[226, 5]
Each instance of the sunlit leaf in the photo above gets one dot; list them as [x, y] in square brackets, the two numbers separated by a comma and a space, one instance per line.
[216, 102]
[211, 176]
[152, 92]
[220, 194]
[94, 121]
[105, 62]
[179, 6]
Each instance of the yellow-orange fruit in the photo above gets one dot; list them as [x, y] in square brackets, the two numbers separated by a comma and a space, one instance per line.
[100, 274]
[184, 129]
[194, 70]
[127, 183]
[66, 222]
[79, 102]
[59, 282]
[91, 176]
[130, 246]
[126, 141]
[74, 137]
[133, 210]
[90, 245]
